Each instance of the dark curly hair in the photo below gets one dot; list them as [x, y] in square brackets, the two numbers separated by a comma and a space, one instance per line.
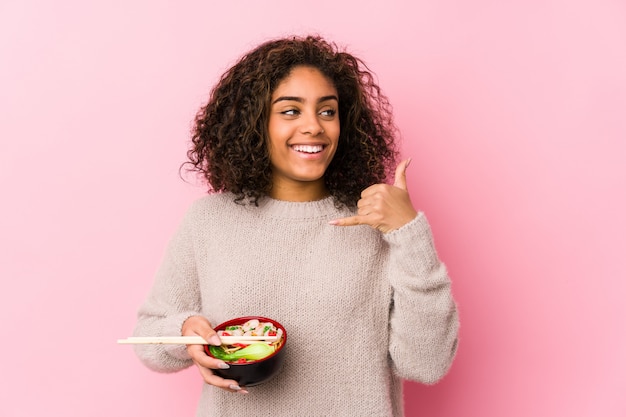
[229, 142]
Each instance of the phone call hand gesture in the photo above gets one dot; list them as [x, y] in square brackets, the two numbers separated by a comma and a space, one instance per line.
[382, 206]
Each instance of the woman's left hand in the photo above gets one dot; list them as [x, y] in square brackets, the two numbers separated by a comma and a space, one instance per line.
[382, 206]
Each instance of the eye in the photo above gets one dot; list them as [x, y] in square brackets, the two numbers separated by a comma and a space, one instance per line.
[328, 113]
[290, 112]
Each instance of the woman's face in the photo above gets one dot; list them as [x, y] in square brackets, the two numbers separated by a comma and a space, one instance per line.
[303, 134]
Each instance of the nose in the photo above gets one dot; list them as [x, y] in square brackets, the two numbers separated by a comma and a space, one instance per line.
[311, 125]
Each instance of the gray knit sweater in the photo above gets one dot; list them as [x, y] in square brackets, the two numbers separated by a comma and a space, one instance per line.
[362, 309]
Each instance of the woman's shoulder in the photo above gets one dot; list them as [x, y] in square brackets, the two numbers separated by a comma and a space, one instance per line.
[213, 199]
[212, 204]
[214, 211]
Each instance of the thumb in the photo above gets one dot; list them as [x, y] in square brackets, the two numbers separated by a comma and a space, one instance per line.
[400, 178]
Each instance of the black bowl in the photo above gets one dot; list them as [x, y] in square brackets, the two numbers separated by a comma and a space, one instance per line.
[257, 372]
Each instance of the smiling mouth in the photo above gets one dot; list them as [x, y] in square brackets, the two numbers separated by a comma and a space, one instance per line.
[308, 148]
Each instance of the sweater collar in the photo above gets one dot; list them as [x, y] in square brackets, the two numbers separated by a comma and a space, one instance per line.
[324, 208]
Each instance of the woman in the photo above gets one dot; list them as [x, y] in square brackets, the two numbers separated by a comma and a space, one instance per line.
[296, 143]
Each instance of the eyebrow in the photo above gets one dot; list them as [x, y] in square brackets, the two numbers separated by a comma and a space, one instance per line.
[301, 100]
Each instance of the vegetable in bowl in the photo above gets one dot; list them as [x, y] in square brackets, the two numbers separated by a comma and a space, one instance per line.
[256, 362]
[248, 352]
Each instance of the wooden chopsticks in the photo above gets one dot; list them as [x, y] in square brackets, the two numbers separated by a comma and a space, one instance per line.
[194, 340]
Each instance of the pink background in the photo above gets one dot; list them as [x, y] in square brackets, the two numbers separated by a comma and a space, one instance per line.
[514, 114]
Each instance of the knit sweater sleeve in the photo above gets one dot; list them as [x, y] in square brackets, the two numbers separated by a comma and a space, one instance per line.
[174, 297]
[423, 315]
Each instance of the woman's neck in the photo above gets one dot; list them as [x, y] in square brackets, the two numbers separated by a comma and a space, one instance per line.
[299, 192]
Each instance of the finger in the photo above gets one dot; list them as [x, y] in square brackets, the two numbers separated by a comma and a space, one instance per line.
[206, 364]
[208, 334]
[200, 357]
[400, 178]
[212, 337]
[347, 221]
[217, 381]
[200, 326]
[371, 190]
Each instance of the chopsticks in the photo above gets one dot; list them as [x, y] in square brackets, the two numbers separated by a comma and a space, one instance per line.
[194, 340]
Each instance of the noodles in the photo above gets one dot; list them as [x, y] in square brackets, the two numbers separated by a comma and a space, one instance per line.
[250, 328]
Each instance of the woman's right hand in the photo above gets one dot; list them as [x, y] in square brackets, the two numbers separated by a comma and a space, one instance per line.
[200, 326]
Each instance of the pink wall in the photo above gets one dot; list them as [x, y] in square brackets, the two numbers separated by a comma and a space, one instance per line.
[515, 116]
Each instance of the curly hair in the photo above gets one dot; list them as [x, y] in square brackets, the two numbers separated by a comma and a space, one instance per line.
[230, 135]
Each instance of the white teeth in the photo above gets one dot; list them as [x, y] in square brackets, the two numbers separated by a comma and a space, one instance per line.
[308, 148]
